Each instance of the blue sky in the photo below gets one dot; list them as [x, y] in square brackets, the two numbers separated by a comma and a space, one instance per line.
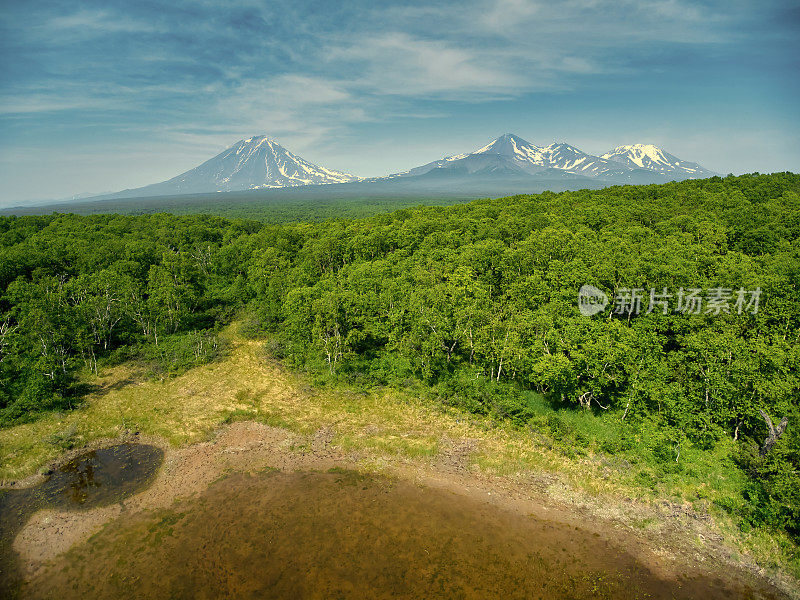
[102, 96]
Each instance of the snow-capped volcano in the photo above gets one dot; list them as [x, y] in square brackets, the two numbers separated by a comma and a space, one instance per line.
[513, 155]
[261, 162]
[513, 146]
[257, 162]
[254, 163]
[647, 156]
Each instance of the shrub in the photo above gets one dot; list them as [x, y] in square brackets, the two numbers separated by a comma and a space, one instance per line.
[176, 353]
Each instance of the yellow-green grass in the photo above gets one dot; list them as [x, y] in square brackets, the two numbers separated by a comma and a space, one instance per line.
[246, 385]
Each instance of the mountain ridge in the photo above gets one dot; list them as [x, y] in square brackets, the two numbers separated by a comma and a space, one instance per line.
[259, 162]
[623, 164]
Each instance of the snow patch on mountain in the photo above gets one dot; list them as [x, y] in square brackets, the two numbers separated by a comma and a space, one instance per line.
[653, 158]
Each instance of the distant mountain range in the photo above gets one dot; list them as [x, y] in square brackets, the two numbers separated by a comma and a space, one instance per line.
[507, 165]
[511, 155]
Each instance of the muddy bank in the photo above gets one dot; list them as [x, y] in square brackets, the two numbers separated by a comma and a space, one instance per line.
[256, 509]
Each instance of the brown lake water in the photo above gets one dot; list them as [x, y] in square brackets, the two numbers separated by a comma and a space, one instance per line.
[340, 534]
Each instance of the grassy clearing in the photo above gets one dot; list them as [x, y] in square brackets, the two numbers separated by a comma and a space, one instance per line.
[388, 424]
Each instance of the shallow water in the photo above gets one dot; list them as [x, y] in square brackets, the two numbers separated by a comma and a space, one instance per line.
[340, 534]
[95, 478]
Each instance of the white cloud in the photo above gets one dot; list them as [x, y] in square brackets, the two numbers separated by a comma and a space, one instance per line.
[85, 22]
[569, 26]
[503, 15]
[300, 111]
[45, 103]
[397, 63]
[288, 104]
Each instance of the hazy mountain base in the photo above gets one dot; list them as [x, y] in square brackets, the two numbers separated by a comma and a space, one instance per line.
[259, 206]
[320, 202]
[382, 430]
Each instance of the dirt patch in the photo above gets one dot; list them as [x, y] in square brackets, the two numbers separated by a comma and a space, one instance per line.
[454, 455]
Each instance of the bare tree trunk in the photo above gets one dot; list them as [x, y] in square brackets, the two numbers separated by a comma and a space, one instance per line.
[774, 433]
[471, 347]
[586, 398]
